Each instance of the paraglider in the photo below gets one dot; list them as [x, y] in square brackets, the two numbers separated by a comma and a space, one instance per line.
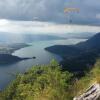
[69, 11]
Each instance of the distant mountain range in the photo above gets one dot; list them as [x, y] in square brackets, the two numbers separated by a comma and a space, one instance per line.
[6, 48]
[26, 38]
[83, 35]
[79, 57]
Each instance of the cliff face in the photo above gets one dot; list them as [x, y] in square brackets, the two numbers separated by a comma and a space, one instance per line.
[88, 87]
[92, 93]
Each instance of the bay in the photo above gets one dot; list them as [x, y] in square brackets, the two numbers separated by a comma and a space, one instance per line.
[8, 72]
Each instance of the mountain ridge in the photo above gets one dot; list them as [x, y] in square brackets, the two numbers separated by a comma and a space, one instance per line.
[83, 54]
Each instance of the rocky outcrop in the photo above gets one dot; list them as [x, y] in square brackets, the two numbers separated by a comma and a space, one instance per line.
[92, 93]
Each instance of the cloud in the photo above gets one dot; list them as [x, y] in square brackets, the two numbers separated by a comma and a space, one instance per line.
[50, 10]
[39, 27]
[98, 16]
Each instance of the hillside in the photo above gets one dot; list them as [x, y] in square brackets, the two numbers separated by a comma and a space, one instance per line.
[9, 59]
[49, 82]
[87, 83]
[83, 54]
[92, 43]
[6, 58]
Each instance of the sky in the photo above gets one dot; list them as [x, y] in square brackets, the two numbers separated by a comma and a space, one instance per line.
[47, 16]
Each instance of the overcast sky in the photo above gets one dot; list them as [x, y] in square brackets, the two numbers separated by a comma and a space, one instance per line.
[51, 10]
[47, 16]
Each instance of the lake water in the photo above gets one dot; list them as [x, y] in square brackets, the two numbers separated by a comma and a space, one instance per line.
[36, 49]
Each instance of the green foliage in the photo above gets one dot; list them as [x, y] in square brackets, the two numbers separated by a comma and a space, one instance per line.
[49, 82]
[89, 79]
[44, 82]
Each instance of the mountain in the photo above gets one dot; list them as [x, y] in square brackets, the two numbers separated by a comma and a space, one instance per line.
[82, 35]
[92, 43]
[7, 58]
[29, 37]
[78, 57]
[9, 48]
[26, 38]
[64, 50]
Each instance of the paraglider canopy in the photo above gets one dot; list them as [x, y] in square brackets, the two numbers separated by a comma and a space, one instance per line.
[67, 10]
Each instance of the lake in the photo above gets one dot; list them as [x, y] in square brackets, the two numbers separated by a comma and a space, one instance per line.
[7, 72]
